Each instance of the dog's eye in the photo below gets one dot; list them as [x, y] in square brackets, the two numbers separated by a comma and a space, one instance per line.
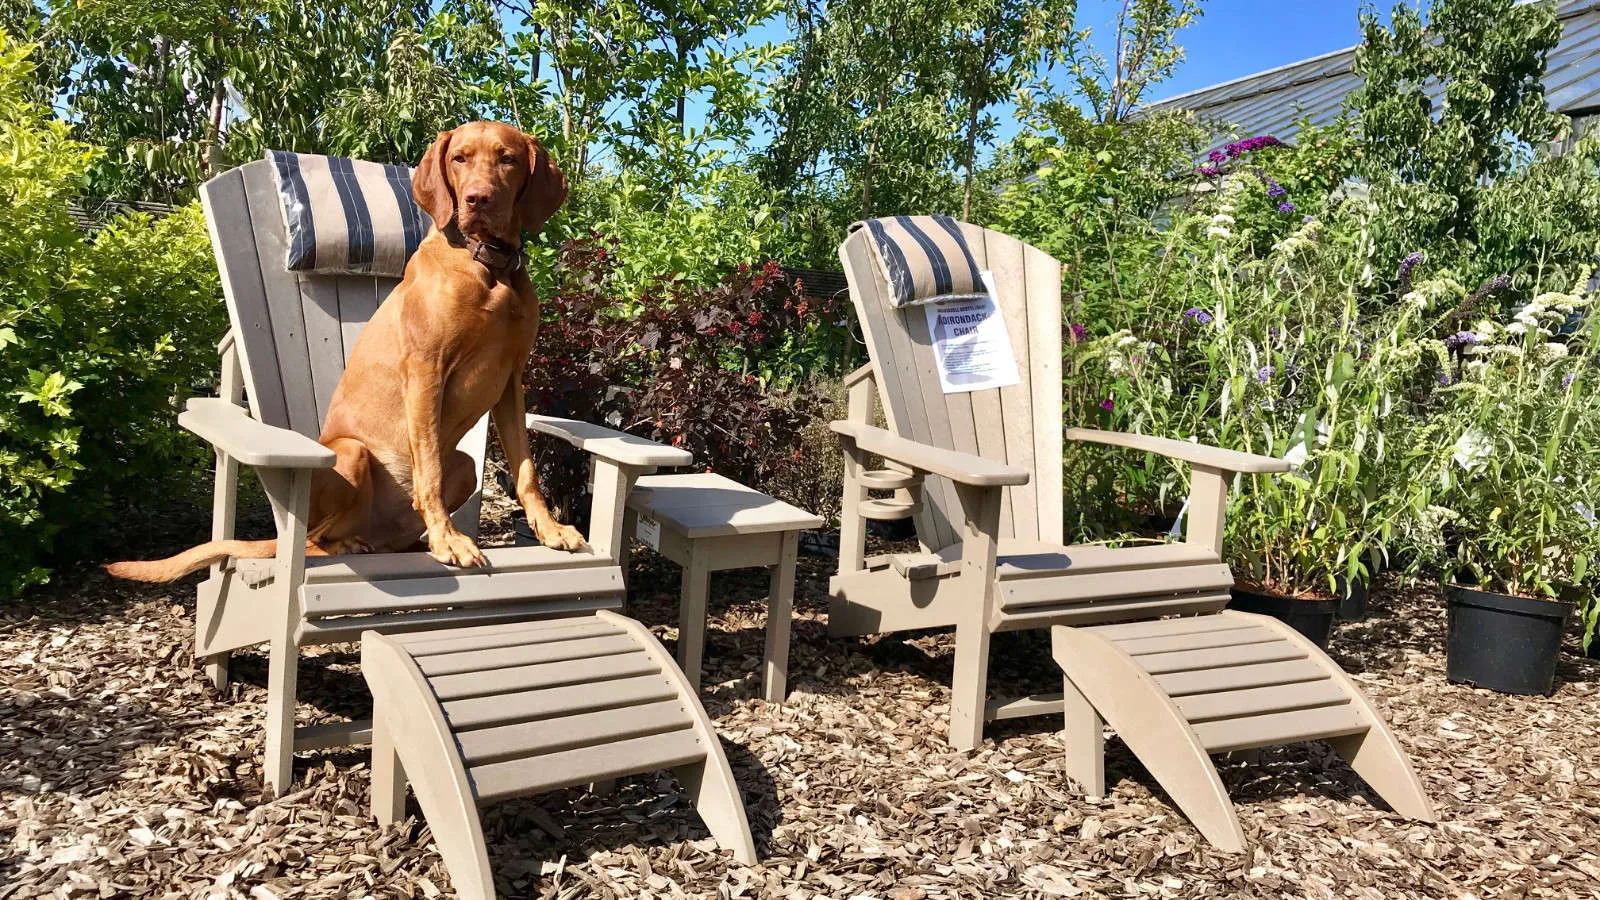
[507, 160]
[459, 157]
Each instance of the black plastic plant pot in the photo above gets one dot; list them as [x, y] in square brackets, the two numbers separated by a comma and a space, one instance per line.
[1352, 599]
[1312, 618]
[1503, 643]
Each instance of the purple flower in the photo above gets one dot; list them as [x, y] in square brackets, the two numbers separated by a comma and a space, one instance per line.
[1209, 171]
[1217, 156]
[1250, 145]
[1460, 340]
[1266, 373]
[1489, 288]
[1566, 381]
[1079, 332]
[1286, 207]
[1274, 189]
[1108, 404]
[1198, 315]
[1403, 277]
[1307, 220]
[1444, 380]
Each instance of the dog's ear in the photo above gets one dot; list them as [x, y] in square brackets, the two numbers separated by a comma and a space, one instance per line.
[430, 185]
[543, 191]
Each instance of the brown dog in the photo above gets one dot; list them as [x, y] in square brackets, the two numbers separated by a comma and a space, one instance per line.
[448, 345]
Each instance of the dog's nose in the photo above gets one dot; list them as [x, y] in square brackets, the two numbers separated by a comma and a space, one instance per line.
[475, 197]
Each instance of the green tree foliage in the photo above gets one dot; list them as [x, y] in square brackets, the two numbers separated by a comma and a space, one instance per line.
[1091, 185]
[1146, 52]
[1447, 108]
[99, 338]
[885, 107]
[997, 47]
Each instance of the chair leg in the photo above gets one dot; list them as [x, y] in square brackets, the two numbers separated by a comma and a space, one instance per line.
[692, 618]
[216, 669]
[283, 671]
[388, 774]
[716, 797]
[1085, 741]
[969, 687]
[780, 610]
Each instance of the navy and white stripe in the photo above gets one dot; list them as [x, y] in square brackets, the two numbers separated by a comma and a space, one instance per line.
[296, 202]
[923, 258]
[347, 216]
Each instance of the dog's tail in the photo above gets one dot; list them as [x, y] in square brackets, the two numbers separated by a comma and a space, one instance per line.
[192, 560]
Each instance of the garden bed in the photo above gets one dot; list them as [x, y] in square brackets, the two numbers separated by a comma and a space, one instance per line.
[123, 774]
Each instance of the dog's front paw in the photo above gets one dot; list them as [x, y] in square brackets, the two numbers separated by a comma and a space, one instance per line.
[562, 537]
[455, 549]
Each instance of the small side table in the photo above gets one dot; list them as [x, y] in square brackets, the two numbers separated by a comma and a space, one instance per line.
[707, 523]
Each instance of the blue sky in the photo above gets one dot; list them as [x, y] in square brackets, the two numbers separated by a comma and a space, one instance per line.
[1240, 37]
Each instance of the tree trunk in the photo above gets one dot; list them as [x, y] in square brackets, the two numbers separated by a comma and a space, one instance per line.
[872, 154]
[683, 93]
[972, 152]
[214, 120]
[538, 57]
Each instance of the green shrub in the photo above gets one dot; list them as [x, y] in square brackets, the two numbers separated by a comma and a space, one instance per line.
[100, 337]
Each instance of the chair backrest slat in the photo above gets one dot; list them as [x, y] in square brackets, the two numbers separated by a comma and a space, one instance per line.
[284, 303]
[899, 384]
[234, 243]
[1044, 366]
[294, 330]
[1019, 424]
[319, 306]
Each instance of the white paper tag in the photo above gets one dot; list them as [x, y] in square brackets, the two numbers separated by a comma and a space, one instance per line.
[649, 531]
[971, 348]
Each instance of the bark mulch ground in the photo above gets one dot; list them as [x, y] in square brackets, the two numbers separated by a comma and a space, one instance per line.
[122, 774]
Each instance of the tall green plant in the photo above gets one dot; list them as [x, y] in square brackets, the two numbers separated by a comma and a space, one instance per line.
[100, 339]
[1445, 109]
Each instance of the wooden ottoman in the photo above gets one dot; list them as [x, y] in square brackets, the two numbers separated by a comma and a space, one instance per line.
[470, 716]
[707, 523]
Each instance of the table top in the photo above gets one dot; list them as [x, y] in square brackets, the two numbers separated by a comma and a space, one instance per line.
[705, 504]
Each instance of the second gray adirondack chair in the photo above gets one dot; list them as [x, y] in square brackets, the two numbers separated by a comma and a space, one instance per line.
[285, 351]
[981, 474]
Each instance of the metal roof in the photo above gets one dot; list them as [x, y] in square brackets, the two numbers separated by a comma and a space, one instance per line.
[1274, 101]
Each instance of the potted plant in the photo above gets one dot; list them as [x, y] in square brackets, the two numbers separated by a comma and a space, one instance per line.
[1508, 517]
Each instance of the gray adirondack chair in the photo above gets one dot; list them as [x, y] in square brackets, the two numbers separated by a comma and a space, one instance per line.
[285, 351]
[1141, 633]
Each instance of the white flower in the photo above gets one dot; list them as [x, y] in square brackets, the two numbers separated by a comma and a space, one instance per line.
[1219, 234]
[1222, 219]
[1517, 327]
[1296, 455]
[1555, 351]
[1472, 449]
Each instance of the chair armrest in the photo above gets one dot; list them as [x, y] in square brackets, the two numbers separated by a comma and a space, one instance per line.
[965, 468]
[1195, 454]
[230, 429]
[606, 443]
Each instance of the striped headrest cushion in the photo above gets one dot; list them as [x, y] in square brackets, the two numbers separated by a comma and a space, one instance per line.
[347, 216]
[922, 258]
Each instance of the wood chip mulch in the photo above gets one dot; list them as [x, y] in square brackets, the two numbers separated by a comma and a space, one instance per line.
[123, 774]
